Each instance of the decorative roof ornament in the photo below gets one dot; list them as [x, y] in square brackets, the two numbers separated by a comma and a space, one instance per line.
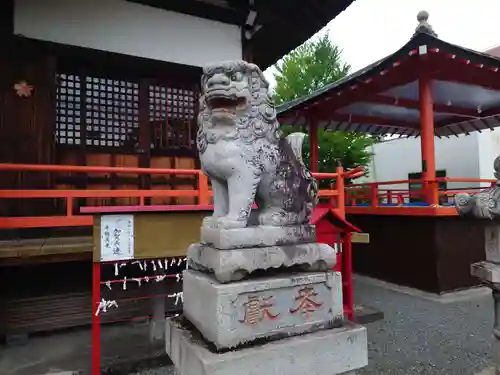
[423, 25]
[23, 89]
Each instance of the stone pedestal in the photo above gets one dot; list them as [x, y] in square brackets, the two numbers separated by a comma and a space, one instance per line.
[489, 272]
[263, 300]
[332, 351]
[232, 314]
[236, 264]
[258, 236]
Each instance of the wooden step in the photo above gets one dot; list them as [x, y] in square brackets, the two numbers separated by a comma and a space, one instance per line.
[45, 250]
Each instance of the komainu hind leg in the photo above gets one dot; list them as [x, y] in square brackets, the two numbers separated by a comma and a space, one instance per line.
[276, 216]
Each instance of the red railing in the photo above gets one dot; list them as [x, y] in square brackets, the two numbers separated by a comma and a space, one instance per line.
[73, 218]
[373, 195]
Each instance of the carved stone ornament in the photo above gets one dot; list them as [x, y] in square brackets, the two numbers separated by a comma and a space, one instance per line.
[23, 89]
[244, 155]
[483, 205]
[423, 25]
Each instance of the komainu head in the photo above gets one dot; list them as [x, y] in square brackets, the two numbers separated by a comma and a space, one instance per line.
[235, 102]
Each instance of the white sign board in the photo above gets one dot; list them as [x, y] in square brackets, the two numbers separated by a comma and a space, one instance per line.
[117, 237]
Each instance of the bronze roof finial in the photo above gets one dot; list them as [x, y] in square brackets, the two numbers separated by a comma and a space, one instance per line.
[423, 25]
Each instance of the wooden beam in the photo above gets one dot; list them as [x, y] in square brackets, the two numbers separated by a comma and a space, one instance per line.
[6, 19]
[414, 104]
[453, 120]
[360, 89]
[266, 14]
[468, 74]
[490, 112]
[357, 119]
[481, 80]
[226, 14]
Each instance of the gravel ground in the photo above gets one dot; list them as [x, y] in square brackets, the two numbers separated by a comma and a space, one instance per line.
[419, 336]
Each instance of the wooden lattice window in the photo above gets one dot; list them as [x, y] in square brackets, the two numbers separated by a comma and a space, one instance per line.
[68, 109]
[109, 108]
[172, 112]
[112, 112]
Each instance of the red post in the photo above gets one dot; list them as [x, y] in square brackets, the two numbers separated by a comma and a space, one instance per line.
[347, 290]
[313, 146]
[340, 190]
[96, 319]
[203, 191]
[374, 195]
[427, 140]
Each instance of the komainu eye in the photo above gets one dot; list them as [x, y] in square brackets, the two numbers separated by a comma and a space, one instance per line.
[236, 76]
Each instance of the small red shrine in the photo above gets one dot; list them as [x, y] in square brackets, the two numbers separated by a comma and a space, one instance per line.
[333, 229]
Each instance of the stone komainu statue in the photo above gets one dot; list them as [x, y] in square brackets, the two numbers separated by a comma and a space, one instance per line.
[483, 205]
[243, 153]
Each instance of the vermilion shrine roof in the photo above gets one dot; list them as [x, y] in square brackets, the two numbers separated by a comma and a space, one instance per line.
[383, 98]
[321, 212]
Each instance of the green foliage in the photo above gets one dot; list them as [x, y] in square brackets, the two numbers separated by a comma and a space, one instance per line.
[350, 149]
[307, 69]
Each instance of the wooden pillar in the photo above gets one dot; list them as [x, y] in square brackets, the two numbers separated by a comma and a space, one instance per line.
[246, 44]
[6, 19]
[313, 146]
[144, 144]
[427, 140]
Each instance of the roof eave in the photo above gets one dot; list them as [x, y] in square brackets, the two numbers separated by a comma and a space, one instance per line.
[296, 108]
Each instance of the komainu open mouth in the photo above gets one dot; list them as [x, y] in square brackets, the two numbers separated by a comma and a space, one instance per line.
[225, 103]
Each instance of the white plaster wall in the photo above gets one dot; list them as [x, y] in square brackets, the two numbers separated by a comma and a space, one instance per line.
[128, 28]
[395, 159]
[489, 146]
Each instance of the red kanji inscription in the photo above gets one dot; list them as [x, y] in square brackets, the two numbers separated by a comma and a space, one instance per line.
[306, 302]
[257, 309]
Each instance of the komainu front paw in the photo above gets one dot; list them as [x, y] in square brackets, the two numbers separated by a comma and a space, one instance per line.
[209, 221]
[272, 217]
[227, 222]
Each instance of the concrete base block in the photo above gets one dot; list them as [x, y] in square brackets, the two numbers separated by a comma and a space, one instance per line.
[328, 352]
[257, 236]
[236, 264]
[229, 315]
[486, 271]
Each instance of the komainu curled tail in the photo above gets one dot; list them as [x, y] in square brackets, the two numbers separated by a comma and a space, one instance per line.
[294, 191]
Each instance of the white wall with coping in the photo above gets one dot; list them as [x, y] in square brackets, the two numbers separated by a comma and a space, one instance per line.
[489, 142]
[128, 28]
[462, 157]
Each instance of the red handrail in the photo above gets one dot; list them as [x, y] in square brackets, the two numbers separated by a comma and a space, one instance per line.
[371, 192]
[202, 192]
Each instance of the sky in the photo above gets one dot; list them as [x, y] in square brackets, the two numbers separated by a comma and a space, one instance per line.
[371, 29]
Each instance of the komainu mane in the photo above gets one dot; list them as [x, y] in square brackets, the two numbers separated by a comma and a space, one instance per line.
[243, 153]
